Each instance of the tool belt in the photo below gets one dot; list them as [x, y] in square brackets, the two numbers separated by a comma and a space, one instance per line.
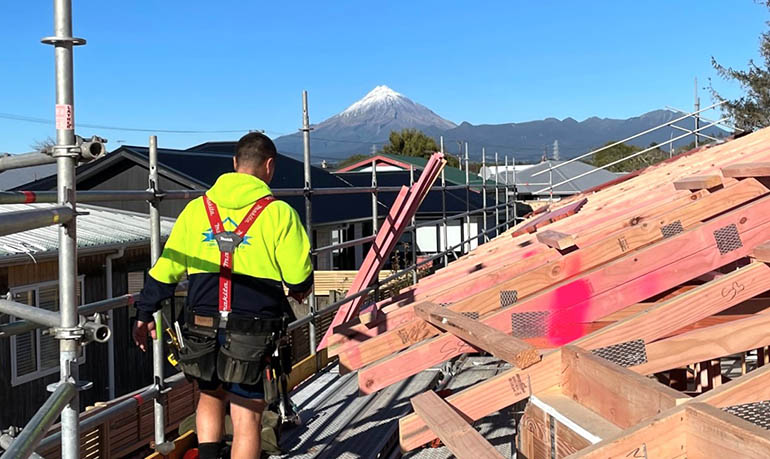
[242, 358]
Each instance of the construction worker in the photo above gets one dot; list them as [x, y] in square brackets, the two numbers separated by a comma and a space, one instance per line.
[238, 247]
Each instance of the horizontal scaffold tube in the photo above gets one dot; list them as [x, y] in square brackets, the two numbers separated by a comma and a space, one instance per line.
[25, 160]
[38, 426]
[145, 395]
[42, 317]
[22, 326]
[23, 220]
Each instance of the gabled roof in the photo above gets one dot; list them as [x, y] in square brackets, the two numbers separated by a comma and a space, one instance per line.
[99, 229]
[453, 175]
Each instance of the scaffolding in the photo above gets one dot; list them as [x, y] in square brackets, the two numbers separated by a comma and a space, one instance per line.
[76, 326]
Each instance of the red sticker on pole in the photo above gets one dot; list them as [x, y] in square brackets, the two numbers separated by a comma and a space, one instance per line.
[64, 117]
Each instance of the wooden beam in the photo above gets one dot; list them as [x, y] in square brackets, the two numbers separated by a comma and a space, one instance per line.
[556, 240]
[549, 217]
[454, 431]
[707, 343]
[663, 436]
[762, 252]
[504, 265]
[746, 170]
[698, 182]
[494, 341]
[581, 288]
[650, 325]
[617, 394]
[749, 388]
[662, 268]
[518, 384]
[662, 319]
[713, 433]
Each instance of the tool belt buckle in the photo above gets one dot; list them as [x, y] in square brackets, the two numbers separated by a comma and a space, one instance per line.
[223, 319]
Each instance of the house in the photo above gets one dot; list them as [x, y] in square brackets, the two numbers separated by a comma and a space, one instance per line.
[393, 163]
[570, 178]
[29, 275]
[336, 218]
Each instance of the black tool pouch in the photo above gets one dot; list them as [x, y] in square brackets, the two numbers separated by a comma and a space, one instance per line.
[198, 357]
[243, 356]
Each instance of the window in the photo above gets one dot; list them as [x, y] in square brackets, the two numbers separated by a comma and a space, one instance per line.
[34, 354]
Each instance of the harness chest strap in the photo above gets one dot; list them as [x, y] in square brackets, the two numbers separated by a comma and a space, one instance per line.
[230, 242]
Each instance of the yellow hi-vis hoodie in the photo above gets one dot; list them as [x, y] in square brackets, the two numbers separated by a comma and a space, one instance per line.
[274, 251]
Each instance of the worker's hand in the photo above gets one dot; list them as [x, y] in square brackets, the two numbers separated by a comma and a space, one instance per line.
[299, 297]
[140, 333]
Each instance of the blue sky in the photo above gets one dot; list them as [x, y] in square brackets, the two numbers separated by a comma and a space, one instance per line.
[237, 65]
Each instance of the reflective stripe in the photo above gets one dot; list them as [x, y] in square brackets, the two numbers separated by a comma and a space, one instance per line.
[226, 258]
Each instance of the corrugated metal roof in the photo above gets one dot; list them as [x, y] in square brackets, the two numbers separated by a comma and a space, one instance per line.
[102, 227]
[526, 182]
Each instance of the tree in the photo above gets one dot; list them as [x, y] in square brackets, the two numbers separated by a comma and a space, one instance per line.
[622, 150]
[751, 111]
[43, 145]
[412, 142]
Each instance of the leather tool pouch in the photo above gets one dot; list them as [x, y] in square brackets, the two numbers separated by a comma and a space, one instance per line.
[245, 352]
[198, 357]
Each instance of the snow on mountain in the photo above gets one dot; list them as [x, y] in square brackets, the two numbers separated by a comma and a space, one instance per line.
[366, 123]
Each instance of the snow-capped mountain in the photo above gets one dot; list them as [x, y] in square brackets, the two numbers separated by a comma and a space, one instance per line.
[367, 122]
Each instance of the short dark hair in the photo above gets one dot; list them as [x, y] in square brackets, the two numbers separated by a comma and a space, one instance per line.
[254, 149]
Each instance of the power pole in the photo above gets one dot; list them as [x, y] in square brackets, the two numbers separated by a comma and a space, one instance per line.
[556, 150]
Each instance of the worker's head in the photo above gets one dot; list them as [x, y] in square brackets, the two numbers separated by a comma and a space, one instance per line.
[255, 155]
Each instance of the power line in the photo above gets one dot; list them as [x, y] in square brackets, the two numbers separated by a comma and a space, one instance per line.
[31, 119]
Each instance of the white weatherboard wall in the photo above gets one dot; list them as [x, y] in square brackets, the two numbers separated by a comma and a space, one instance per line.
[428, 237]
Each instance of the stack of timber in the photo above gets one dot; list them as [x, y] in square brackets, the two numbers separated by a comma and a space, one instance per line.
[400, 215]
[634, 318]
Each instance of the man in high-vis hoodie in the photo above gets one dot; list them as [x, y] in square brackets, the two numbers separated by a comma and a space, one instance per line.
[238, 246]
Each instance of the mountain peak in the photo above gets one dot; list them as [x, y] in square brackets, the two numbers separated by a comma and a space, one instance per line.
[380, 95]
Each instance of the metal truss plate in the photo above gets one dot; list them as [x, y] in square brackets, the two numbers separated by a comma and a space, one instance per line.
[728, 239]
[625, 354]
[757, 413]
[508, 298]
[471, 315]
[529, 324]
[672, 229]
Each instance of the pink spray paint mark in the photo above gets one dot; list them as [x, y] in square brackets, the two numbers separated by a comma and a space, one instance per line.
[565, 323]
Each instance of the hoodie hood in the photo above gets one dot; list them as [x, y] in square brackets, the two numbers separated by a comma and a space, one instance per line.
[234, 190]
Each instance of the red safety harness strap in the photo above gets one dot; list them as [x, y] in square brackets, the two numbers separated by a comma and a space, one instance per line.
[226, 258]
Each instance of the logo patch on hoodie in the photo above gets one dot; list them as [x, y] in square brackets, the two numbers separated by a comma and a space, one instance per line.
[229, 225]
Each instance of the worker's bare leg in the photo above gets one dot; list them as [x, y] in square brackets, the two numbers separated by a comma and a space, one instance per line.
[247, 427]
[210, 418]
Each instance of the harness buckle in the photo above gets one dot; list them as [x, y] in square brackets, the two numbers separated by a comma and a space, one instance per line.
[228, 241]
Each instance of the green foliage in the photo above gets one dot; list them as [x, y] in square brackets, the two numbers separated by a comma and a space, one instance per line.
[751, 111]
[621, 151]
[412, 142]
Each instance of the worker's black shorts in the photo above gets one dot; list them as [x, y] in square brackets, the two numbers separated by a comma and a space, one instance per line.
[249, 391]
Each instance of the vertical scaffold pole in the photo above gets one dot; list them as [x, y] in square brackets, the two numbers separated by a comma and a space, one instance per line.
[445, 245]
[484, 190]
[414, 230]
[497, 196]
[308, 211]
[467, 203]
[68, 335]
[507, 205]
[515, 191]
[158, 355]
